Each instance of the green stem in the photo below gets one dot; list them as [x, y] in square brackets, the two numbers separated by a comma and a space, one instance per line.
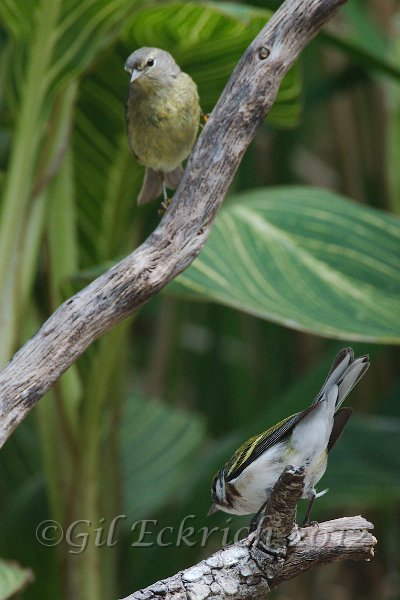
[28, 134]
[91, 574]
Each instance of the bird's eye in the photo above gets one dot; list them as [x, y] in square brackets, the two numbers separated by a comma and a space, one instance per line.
[150, 62]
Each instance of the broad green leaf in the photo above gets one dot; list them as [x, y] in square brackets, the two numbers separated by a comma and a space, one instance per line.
[305, 258]
[393, 132]
[157, 442]
[364, 466]
[13, 579]
[207, 42]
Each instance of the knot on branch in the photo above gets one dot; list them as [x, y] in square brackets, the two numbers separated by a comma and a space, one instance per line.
[263, 52]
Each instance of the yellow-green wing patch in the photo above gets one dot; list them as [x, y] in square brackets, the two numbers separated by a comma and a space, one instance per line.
[257, 445]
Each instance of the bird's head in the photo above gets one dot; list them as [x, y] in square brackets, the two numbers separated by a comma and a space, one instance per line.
[151, 67]
[218, 493]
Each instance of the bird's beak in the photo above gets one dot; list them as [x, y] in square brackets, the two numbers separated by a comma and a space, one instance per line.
[135, 75]
[212, 510]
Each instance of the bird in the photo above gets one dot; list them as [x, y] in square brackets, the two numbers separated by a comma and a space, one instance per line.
[244, 484]
[162, 119]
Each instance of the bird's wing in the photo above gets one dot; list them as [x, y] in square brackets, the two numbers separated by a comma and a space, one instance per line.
[339, 421]
[258, 444]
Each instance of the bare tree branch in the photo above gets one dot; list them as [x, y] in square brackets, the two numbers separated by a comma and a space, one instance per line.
[252, 568]
[184, 229]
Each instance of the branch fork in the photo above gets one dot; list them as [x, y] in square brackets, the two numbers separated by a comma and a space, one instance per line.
[184, 229]
[254, 566]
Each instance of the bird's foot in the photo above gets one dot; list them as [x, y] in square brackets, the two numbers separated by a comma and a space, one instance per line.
[295, 536]
[257, 531]
[254, 522]
[203, 119]
[250, 539]
[164, 206]
[260, 537]
[307, 523]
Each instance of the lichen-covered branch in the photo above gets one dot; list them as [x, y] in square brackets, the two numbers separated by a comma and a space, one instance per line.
[183, 231]
[254, 566]
[347, 538]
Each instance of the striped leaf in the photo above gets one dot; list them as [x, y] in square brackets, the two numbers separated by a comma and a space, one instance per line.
[305, 258]
[157, 442]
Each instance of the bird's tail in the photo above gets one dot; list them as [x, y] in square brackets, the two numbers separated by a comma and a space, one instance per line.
[153, 183]
[345, 372]
[151, 188]
[173, 178]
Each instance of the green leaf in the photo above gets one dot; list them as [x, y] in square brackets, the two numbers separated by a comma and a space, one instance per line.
[47, 44]
[207, 42]
[364, 467]
[364, 55]
[305, 258]
[107, 177]
[362, 40]
[17, 17]
[157, 442]
[13, 579]
[393, 133]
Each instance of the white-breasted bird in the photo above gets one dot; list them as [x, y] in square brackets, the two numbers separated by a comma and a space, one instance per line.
[245, 482]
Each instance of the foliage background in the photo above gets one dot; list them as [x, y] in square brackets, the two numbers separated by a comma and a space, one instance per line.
[148, 414]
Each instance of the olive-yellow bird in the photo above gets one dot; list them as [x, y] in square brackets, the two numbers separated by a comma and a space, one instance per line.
[162, 117]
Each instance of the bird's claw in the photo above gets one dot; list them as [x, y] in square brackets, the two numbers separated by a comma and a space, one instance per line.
[307, 523]
[294, 537]
[164, 206]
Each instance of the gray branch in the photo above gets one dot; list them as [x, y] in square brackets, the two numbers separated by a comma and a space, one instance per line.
[183, 231]
[252, 567]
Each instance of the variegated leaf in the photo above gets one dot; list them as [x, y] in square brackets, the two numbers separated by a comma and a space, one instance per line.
[305, 258]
